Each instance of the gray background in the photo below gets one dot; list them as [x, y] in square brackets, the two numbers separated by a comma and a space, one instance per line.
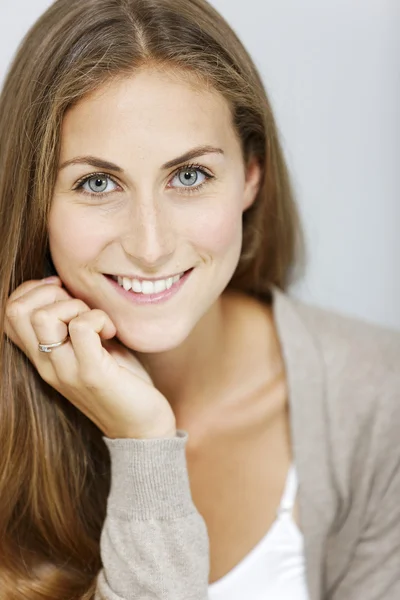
[332, 70]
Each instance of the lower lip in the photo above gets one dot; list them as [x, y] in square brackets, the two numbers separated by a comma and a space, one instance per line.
[150, 298]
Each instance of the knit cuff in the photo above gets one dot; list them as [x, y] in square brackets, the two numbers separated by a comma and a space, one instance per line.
[149, 478]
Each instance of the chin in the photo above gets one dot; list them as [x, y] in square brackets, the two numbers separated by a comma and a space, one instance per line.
[152, 340]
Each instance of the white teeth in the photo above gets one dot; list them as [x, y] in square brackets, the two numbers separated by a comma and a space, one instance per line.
[136, 286]
[148, 287]
[160, 286]
[127, 284]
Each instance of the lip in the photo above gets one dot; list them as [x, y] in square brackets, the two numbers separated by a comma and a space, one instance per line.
[158, 298]
[143, 278]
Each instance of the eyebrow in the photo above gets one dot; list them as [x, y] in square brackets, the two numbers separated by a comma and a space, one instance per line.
[99, 163]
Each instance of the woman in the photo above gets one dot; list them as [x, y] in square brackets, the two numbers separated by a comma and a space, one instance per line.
[173, 424]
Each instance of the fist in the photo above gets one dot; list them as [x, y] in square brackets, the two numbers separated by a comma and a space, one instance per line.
[99, 375]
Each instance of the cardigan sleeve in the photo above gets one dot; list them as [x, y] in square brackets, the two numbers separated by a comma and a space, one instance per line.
[374, 569]
[154, 542]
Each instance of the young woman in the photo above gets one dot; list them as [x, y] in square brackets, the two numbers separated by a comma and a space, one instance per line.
[173, 424]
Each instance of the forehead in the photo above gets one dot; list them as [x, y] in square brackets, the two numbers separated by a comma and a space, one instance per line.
[151, 112]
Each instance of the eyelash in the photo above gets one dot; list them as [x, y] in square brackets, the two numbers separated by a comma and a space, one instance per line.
[189, 167]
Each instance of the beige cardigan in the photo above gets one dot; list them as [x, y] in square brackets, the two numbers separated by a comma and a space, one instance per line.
[344, 387]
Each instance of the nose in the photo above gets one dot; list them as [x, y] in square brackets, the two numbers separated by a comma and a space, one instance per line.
[150, 239]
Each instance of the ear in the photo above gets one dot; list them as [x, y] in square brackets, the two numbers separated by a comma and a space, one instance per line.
[252, 182]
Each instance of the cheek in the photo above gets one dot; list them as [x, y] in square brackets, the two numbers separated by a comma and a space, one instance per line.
[216, 228]
[74, 239]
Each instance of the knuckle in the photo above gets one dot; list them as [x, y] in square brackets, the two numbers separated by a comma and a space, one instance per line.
[98, 315]
[85, 319]
[15, 310]
[77, 325]
[82, 307]
[39, 317]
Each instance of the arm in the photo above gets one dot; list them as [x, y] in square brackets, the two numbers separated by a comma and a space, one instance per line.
[154, 543]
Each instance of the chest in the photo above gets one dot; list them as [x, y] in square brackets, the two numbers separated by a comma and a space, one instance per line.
[237, 476]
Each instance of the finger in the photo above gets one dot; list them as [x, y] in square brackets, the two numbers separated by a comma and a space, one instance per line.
[86, 333]
[17, 324]
[27, 286]
[50, 322]
[51, 325]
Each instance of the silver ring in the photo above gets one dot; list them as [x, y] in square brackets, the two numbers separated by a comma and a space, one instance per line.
[49, 347]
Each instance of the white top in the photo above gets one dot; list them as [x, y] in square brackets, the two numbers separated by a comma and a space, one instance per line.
[275, 567]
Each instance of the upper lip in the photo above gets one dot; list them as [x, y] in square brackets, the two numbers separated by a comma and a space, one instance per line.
[139, 278]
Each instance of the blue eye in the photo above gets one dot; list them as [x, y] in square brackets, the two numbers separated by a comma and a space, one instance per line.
[97, 184]
[190, 177]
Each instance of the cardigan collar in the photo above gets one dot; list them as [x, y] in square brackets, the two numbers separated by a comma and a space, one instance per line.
[308, 419]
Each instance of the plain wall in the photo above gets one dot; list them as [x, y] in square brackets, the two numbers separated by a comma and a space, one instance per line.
[332, 71]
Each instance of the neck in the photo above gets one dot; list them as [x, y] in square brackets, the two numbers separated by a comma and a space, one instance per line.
[189, 374]
[231, 354]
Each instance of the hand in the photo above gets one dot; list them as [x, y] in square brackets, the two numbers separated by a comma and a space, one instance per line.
[103, 380]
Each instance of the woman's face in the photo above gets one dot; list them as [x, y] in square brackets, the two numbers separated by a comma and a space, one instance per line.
[151, 185]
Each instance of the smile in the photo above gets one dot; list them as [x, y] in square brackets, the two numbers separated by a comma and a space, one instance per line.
[148, 291]
[145, 286]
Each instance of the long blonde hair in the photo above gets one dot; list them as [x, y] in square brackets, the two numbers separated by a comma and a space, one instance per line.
[54, 465]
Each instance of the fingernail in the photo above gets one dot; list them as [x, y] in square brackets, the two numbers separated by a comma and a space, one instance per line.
[51, 279]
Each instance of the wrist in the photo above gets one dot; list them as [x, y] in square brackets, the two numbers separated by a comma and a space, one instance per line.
[164, 431]
[149, 478]
[170, 432]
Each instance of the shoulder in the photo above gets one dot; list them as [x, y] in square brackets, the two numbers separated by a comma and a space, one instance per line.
[357, 356]
[360, 361]
[352, 352]
[358, 364]
[353, 347]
